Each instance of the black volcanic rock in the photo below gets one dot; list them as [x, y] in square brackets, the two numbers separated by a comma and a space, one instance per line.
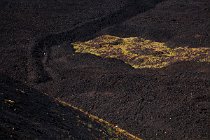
[24, 22]
[25, 113]
[35, 45]
[175, 22]
[168, 103]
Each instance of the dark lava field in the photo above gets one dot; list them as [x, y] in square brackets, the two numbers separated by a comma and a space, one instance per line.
[49, 89]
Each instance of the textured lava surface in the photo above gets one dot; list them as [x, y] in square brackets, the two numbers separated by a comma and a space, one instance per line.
[171, 102]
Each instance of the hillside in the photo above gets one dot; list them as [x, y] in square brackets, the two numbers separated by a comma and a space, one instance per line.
[174, 22]
[28, 114]
[66, 66]
[167, 98]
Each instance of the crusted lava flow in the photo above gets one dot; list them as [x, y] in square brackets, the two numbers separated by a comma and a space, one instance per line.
[81, 31]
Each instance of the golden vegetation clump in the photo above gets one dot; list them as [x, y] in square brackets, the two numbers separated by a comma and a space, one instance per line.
[139, 52]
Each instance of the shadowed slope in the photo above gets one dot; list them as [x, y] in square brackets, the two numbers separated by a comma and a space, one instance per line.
[175, 22]
[166, 103]
[23, 22]
[27, 114]
[81, 31]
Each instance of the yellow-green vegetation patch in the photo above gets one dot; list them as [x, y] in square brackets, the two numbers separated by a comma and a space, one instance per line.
[139, 52]
[9, 102]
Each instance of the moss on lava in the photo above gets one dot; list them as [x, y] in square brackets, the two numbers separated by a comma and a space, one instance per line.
[139, 52]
